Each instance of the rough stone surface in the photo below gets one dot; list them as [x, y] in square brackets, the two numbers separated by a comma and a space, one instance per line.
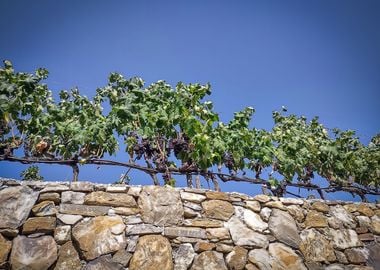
[201, 246]
[315, 219]
[132, 243]
[296, 212]
[82, 186]
[122, 257]
[141, 229]
[69, 219]
[285, 258]
[218, 233]
[183, 256]
[253, 205]
[356, 255]
[283, 227]
[321, 207]
[218, 209]
[83, 210]
[290, 201]
[341, 214]
[54, 187]
[103, 263]
[210, 260]
[315, 247]
[251, 219]
[265, 213]
[191, 232]
[5, 248]
[214, 195]
[203, 222]
[276, 204]
[260, 258]
[262, 198]
[39, 225]
[100, 235]
[72, 197]
[237, 258]
[45, 208]
[68, 258]
[110, 199]
[160, 205]
[345, 238]
[15, 205]
[192, 197]
[33, 253]
[375, 228]
[62, 234]
[152, 252]
[374, 255]
[53, 196]
[243, 236]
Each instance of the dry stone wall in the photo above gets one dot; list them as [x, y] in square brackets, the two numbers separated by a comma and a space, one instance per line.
[93, 226]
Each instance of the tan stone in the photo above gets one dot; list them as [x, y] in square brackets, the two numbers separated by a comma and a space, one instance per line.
[39, 225]
[152, 252]
[33, 253]
[262, 198]
[210, 260]
[315, 219]
[68, 258]
[218, 233]
[345, 238]
[253, 205]
[53, 196]
[45, 208]
[218, 209]
[100, 235]
[275, 204]
[215, 195]
[160, 205]
[365, 210]
[110, 199]
[296, 212]
[203, 223]
[5, 248]
[285, 258]
[223, 248]
[237, 258]
[201, 246]
[321, 207]
[315, 247]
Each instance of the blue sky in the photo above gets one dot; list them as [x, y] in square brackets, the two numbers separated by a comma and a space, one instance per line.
[315, 57]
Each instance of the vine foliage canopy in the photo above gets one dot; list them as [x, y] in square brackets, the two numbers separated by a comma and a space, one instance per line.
[175, 131]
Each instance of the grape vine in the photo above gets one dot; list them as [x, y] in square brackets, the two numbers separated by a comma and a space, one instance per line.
[175, 131]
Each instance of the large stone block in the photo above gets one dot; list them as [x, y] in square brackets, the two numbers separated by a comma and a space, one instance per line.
[152, 252]
[15, 205]
[110, 199]
[284, 228]
[160, 205]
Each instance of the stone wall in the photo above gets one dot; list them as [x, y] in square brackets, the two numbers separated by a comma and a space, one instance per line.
[88, 226]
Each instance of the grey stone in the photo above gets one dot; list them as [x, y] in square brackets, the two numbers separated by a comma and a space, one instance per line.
[340, 213]
[141, 229]
[72, 197]
[160, 205]
[265, 213]
[243, 236]
[210, 260]
[251, 219]
[191, 232]
[33, 253]
[122, 257]
[68, 258]
[69, 219]
[62, 234]
[83, 210]
[132, 242]
[15, 205]
[316, 247]
[54, 187]
[345, 238]
[183, 256]
[374, 255]
[82, 186]
[260, 258]
[284, 228]
[192, 197]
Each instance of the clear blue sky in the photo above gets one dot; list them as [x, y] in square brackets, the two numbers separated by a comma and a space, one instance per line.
[315, 57]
